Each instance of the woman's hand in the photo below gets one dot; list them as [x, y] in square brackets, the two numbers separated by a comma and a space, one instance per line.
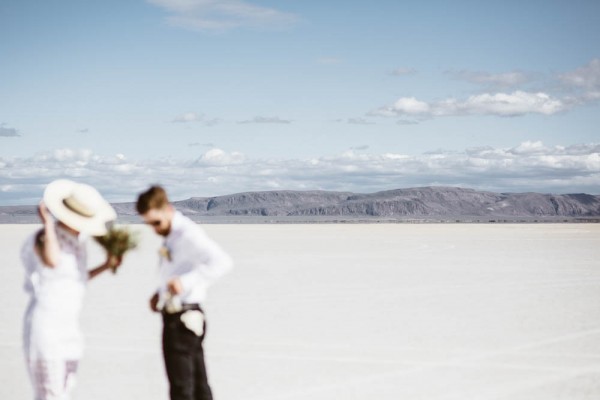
[44, 213]
[113, 262]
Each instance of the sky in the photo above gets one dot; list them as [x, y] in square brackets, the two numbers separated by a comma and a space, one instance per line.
[210, 97]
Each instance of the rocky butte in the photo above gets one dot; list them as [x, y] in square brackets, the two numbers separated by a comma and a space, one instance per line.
[422, 204]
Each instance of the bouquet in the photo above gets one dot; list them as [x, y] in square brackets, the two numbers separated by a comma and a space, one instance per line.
[117, 242]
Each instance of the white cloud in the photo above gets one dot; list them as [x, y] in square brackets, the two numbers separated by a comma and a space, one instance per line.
[222, 15]
[503, 104]
[562, 92]
[529, 166]
[584, 81]
[212, 121]
[362, 147]
[187, 117]
[505, 79]
[218, 157]
[407, 122]
[266, 120]
[359, 121]
[8, 132]
[500, 104]
[587, 76]
[530, 147]
[403, 71]
[410, 106]
[191, 117]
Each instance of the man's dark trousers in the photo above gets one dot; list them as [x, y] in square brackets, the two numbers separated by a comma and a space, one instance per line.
[184, 360]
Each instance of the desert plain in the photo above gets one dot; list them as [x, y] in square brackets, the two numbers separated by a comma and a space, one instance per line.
[349, 311]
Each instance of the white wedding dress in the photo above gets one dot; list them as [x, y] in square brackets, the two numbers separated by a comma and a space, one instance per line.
[52, 339]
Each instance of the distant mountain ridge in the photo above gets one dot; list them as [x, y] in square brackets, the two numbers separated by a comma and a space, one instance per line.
[418, 203]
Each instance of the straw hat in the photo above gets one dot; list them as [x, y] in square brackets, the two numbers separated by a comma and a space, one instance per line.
[79, 206]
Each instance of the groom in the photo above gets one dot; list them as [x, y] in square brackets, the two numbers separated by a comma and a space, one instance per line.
[190, 262]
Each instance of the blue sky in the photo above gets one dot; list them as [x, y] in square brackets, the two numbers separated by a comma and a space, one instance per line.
[215, 97]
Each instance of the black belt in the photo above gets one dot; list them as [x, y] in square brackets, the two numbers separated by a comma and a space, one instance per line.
[191, 306]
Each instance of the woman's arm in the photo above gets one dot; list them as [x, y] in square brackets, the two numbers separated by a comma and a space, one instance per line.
[47, 246]
[111, 262]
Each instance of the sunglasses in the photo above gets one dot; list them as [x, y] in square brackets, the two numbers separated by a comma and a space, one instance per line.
[154, 223]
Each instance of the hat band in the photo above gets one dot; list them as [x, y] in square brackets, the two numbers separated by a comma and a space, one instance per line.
[72, 204]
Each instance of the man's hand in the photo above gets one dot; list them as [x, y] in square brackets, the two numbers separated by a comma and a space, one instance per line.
[174, 286]
[154, 303]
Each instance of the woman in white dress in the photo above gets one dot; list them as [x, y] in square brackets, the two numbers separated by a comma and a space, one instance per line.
[56, 274]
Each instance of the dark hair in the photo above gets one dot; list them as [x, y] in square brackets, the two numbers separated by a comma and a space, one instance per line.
[153, 198]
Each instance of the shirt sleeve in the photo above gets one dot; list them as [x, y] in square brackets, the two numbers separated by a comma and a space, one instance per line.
[208, 261]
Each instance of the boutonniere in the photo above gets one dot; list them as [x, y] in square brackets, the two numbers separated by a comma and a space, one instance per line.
[165, 253]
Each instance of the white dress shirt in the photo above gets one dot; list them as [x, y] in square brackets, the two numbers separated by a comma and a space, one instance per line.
[198, 261]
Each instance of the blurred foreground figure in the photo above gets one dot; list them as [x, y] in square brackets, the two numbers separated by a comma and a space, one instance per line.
[190, 262]
[56, 275]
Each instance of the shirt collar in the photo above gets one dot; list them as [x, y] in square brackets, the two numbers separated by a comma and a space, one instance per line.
[177, 224]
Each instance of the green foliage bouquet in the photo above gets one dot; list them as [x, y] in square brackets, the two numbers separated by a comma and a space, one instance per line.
[117, 242]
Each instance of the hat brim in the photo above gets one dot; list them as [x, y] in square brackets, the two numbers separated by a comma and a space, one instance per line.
[55, 194]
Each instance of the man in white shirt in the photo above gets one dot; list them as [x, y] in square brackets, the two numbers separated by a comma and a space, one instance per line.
[190, 263]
